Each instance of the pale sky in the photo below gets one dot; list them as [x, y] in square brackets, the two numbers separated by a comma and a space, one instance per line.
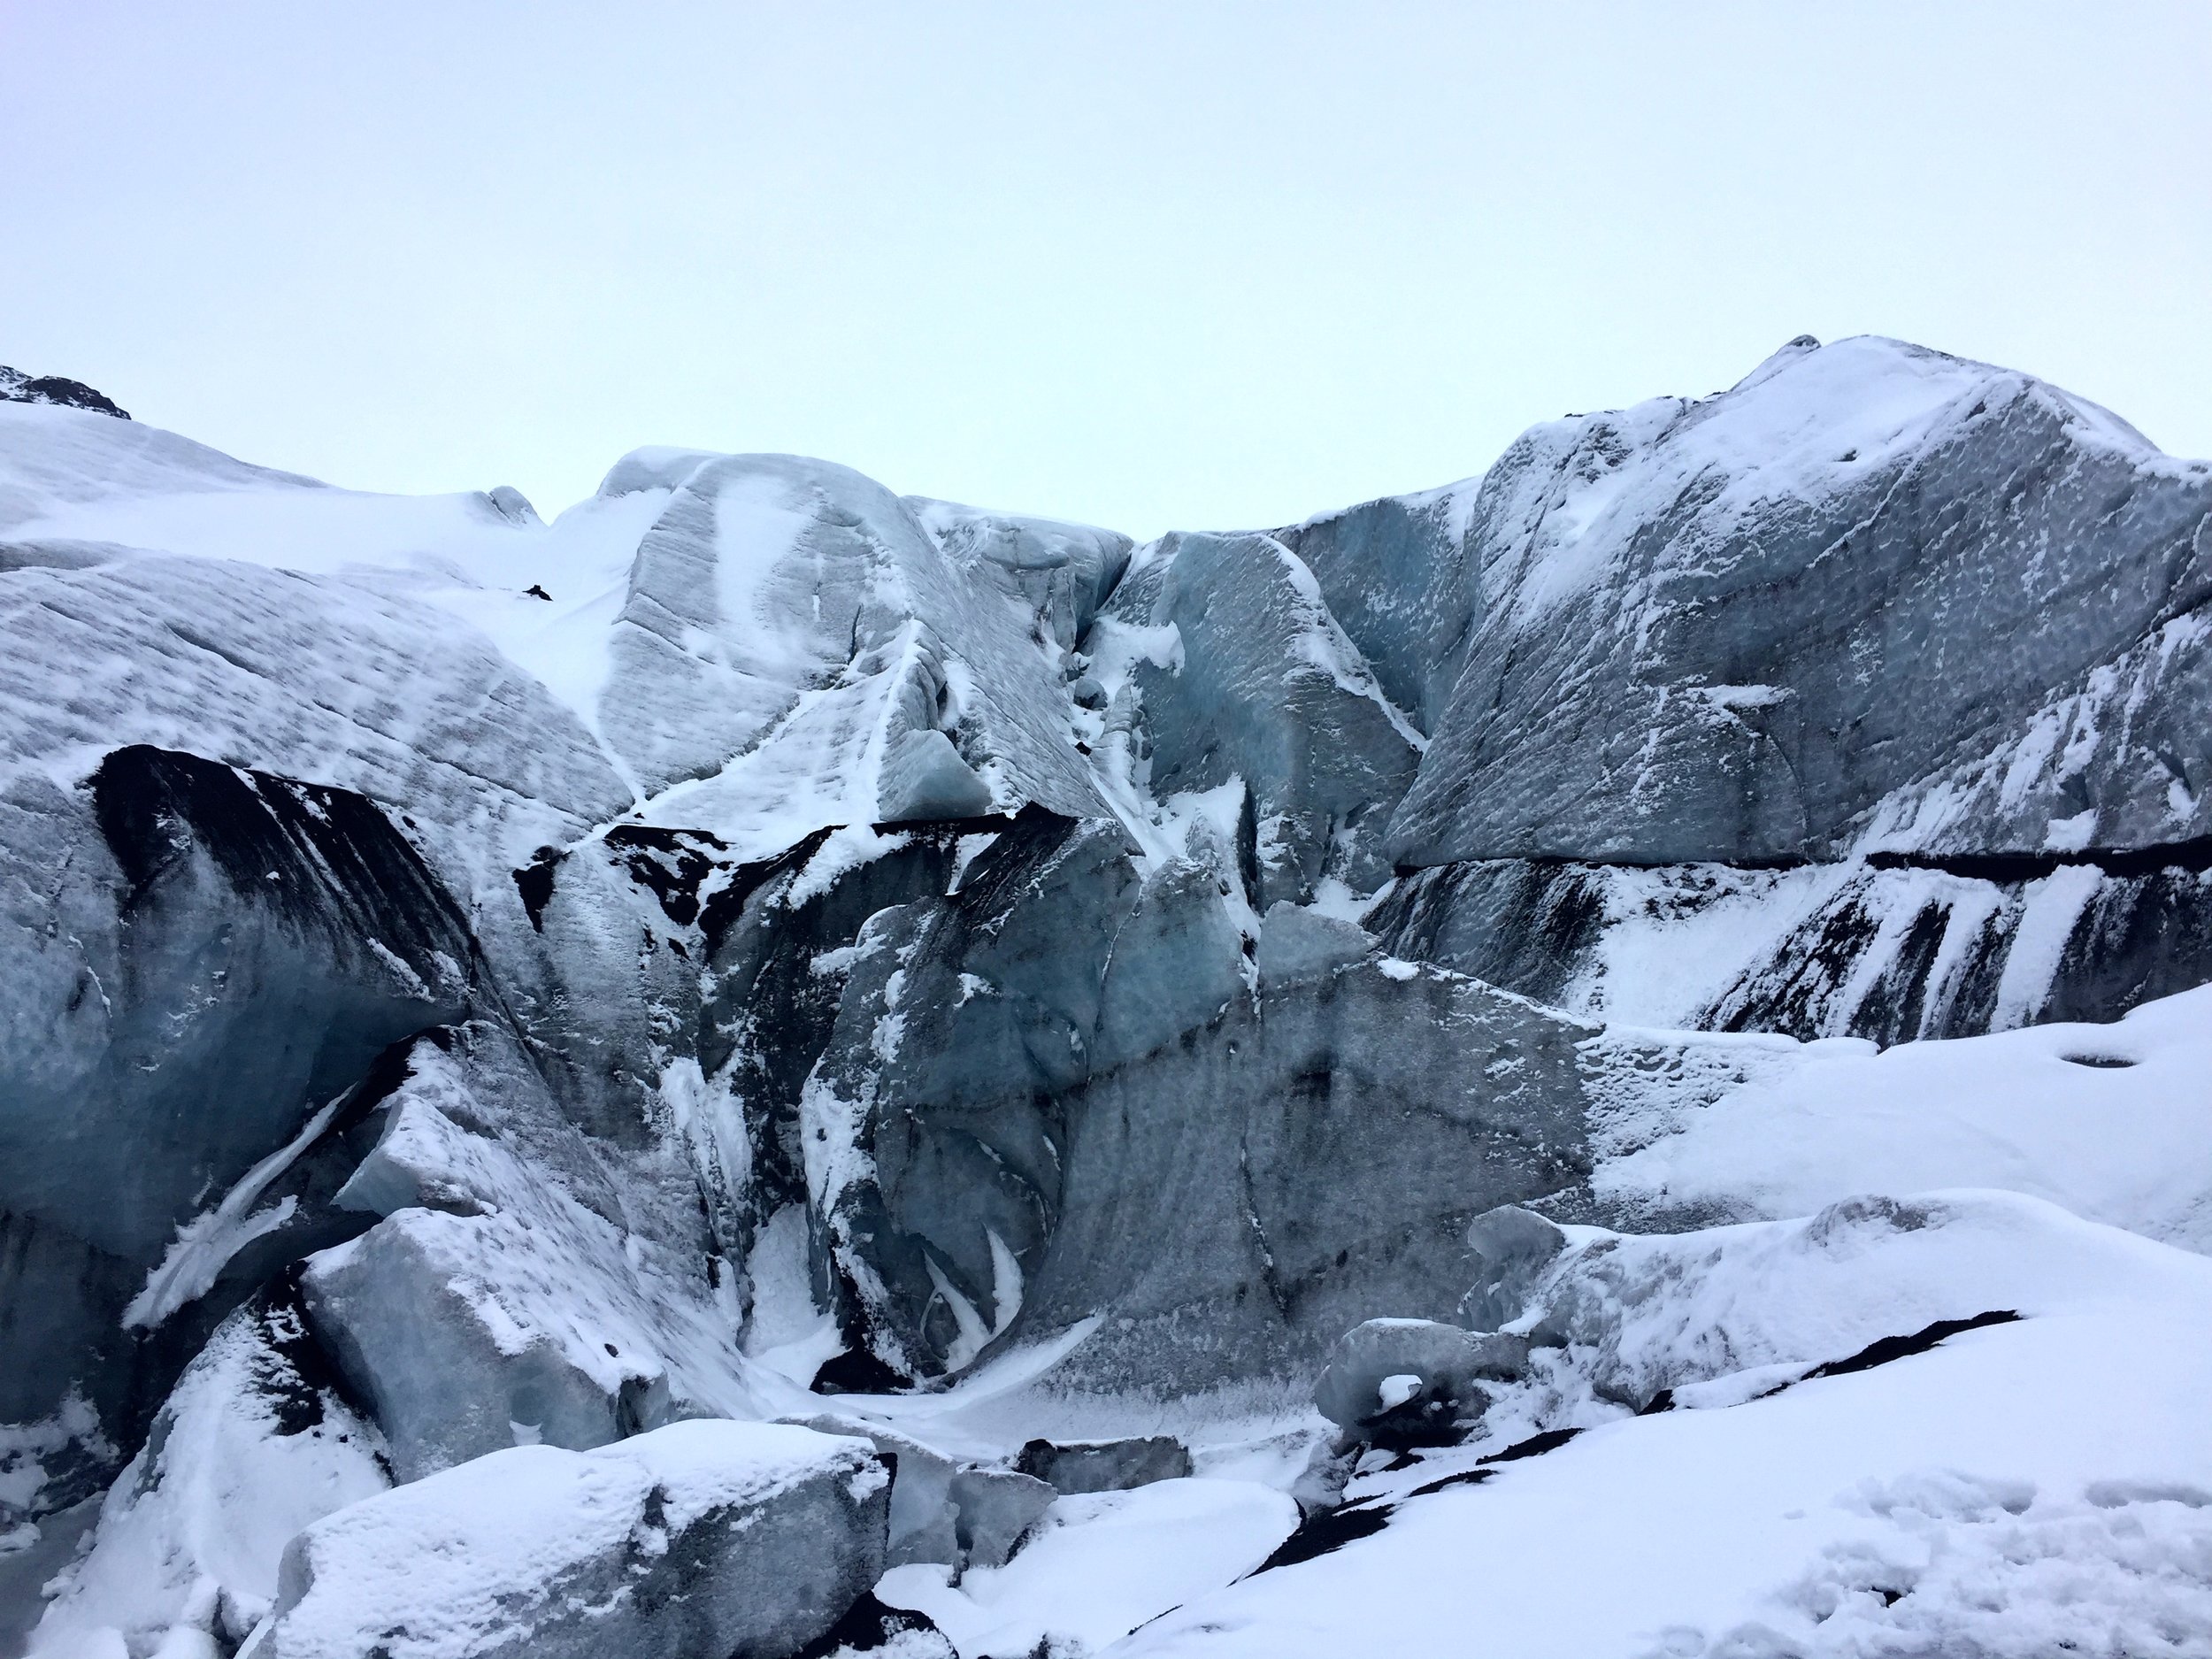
[1195, 266]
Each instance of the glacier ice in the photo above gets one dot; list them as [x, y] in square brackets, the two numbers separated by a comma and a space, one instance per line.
[499, 1009]
[1728, 629]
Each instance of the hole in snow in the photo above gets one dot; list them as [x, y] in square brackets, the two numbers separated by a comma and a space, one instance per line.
[2103, 1061]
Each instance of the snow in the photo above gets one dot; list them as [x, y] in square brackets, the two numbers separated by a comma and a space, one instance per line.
[766, 646]
[788, 1333]
[511, 1262]
[774, 694]
[2127, 1143]
[1820, 418]
[842, 851]
[191, 1534]
[207, 1241]
[1100, 1565]
[1973, 1483]
[2052, 907]
[79, 478]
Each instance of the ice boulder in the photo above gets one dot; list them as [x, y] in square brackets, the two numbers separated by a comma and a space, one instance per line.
[1074, 1467]
[705, 1538]
[996, 1507]
[1054, 1092]
[524, 1282]
[1511, 1247]
[1413, 1382]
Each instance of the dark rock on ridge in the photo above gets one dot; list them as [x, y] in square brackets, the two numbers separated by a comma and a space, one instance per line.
[18, 387]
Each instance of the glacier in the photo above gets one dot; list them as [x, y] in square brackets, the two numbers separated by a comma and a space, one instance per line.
[1608, 1058]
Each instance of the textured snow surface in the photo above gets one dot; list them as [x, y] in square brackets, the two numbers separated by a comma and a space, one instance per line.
[2026, 1489]
[1101, 1564]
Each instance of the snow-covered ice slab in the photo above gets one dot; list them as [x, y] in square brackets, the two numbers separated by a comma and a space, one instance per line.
[2112, 1121]
[702, 1537]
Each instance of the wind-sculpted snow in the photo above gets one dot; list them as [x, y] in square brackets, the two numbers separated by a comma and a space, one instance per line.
[492, 1008]
[2113, 1121]
[1728, 629]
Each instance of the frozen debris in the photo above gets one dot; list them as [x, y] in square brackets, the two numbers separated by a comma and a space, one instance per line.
[1080, 1466]
[1400, 1383]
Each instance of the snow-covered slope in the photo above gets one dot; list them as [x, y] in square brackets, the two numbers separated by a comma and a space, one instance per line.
[494, 1011]
[2028, 1488]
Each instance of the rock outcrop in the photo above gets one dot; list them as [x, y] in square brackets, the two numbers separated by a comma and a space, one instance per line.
[18, 387]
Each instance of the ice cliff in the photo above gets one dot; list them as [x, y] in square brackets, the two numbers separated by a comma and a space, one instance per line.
[771, 1067]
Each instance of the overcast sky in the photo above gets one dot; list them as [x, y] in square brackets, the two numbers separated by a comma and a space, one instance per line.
[1178, 266]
